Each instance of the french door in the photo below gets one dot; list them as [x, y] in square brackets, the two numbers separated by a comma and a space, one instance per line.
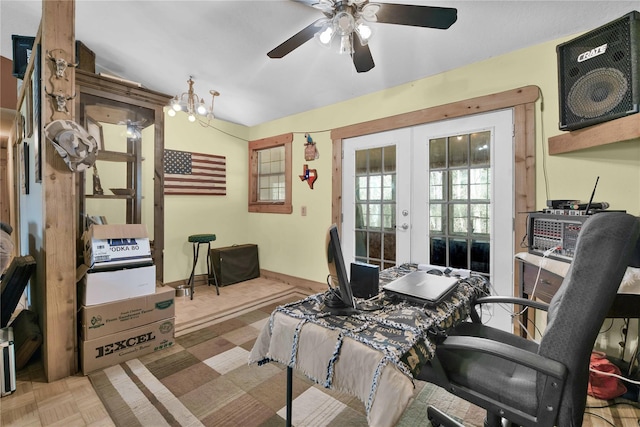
[439, 194]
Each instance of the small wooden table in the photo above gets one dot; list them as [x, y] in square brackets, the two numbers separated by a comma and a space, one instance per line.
[551, 274]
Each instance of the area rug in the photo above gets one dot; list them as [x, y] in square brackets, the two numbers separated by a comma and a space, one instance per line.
[205, 380]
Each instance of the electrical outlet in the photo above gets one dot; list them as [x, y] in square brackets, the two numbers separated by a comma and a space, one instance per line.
[303, 210]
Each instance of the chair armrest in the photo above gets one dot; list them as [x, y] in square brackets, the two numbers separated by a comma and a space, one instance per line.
[494, 299]
[517, 355]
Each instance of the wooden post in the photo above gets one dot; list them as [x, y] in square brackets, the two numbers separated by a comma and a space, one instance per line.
[58, 197]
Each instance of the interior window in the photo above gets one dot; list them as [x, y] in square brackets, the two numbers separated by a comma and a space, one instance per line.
[270, 174]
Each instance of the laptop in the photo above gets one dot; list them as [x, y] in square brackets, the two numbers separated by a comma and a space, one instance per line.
[422, 287]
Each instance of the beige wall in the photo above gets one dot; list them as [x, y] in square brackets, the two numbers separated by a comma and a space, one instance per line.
[293, 244]
[224, 216]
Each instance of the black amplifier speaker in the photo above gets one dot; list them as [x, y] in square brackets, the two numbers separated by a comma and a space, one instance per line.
[598, 74]
[365, 280]
[548, 231]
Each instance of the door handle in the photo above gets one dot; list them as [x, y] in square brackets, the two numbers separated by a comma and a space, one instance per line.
[404, 226]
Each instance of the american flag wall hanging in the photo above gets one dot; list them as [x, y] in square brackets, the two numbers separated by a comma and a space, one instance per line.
[194, 173]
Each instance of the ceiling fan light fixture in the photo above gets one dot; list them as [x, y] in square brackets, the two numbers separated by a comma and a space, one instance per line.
[363, 31]
[369, 11]
[344, 22]
[346, 45]
[325, 35]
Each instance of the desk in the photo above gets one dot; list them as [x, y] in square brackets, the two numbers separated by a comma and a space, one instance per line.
[372, 355]
[551, 274]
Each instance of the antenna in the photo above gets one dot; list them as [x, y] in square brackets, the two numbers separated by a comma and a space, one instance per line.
[592, 194]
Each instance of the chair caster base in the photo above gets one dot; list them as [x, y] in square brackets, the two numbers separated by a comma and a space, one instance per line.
[439, 418]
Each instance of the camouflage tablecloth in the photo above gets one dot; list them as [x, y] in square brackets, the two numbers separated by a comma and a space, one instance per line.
[397, 332]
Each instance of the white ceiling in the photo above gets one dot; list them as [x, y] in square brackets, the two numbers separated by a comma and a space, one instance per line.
[224, 45]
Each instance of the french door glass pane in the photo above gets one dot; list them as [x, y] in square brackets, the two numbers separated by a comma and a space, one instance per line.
[480, 256]
[480, 152]
[459, 201]
[459, 184]
[438, 153]
[436, 185]
[376, 206]
[458, 151]
[437, 218]
[458, 253]
[375, 160]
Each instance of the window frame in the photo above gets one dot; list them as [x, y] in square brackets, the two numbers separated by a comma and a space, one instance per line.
[254, 204]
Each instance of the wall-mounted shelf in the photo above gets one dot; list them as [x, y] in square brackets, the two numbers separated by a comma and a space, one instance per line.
[115, 156]
[622, 129]
[108, 196]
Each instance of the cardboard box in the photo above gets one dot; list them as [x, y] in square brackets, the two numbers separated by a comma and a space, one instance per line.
[108, 286]
[116, 245]
[126, 345]
[104, 319]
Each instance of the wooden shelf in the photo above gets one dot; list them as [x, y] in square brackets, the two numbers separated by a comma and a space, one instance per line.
[622, 129]
[108, 196]
[115, 156]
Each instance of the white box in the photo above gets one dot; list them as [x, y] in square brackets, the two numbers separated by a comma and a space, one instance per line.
[107, 286]
[115, 245]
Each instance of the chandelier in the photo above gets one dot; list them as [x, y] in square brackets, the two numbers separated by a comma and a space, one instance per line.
[347, 20]
[192, 104]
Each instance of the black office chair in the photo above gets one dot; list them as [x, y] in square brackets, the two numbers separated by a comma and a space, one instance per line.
[515, 379]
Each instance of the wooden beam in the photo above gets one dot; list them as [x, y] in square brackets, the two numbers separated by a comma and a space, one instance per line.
[482, 104]
[58, 198]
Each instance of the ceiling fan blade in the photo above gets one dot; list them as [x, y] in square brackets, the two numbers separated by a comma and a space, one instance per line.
[417, 16]
[362, 59]
[295, 41]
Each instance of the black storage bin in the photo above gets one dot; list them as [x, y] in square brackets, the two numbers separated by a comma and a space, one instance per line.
[233, 264]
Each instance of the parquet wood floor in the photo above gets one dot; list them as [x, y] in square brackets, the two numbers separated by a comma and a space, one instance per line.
[72, 401]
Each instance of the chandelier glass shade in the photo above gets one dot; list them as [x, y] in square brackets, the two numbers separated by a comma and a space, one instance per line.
[190, 103]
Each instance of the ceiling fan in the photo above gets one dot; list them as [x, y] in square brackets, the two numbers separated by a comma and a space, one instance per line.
[346, 23]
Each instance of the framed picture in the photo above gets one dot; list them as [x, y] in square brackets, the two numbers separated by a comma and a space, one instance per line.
[94, 128]
[28, 100]
[24, 166]
[37, 131]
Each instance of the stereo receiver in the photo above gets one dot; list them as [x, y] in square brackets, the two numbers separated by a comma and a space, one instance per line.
[547, 231]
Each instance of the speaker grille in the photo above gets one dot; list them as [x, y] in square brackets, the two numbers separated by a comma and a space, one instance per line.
[598, 92]
[598, 74]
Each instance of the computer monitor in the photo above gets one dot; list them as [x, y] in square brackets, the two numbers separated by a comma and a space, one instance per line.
[339, 300]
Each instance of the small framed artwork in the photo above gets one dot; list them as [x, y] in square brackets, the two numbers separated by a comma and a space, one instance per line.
[24, 166]
[28, 100]
[94, 128]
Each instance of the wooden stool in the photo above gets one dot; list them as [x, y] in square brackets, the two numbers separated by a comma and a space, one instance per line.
[197, 240]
